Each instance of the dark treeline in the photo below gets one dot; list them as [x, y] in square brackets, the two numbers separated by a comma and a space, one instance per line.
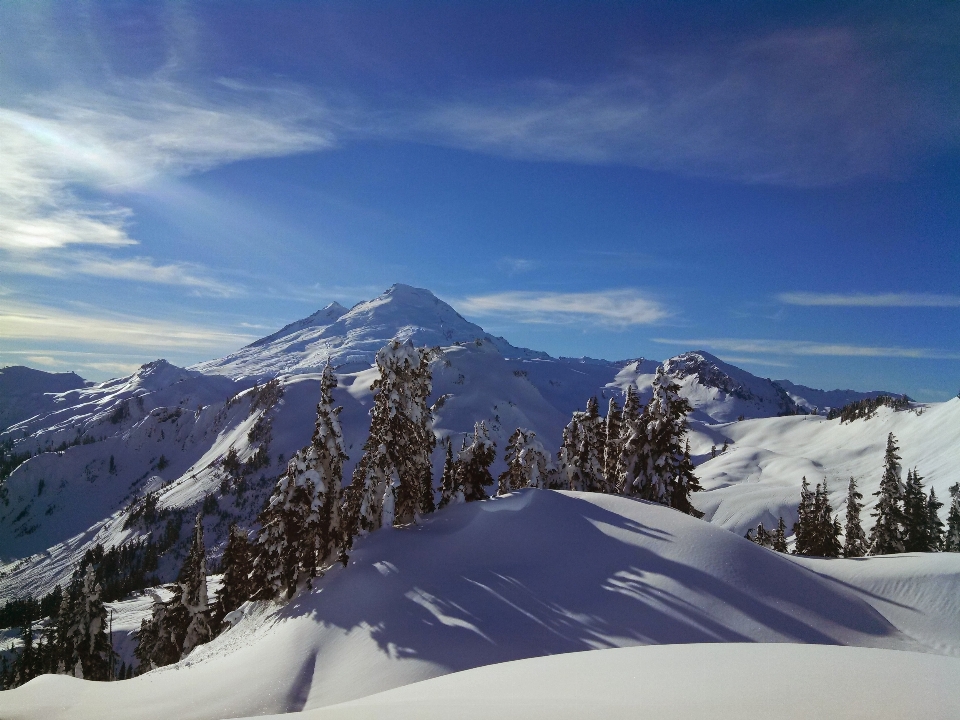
[906, 519]
[864, 409]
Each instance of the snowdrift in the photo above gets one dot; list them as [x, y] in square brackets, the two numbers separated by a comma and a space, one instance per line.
[682, 682]
[535, 573]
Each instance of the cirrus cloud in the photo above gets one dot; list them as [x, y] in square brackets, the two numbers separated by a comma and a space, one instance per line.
[610, 307]
[870, 300]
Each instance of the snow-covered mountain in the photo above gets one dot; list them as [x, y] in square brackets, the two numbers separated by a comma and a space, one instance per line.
[25, 392]
[536, 573]
[98, 450]
[349, 339]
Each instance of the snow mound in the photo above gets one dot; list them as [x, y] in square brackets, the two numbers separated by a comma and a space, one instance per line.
[681, 682]
[531, 574]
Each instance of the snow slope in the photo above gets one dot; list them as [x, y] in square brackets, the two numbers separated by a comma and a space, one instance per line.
[24, 392]
[681, 682]
[535, 573]
[758, 478]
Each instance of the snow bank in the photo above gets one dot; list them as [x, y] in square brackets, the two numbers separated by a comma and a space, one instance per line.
[535, 573]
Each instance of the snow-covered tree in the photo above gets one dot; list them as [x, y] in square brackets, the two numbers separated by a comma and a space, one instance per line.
[854, 538]
[84, 645]
[763, 538]
[655, 460]
[527, 464]
[237, 567]
[611, 446]
[177, 626]
[590, 456]
[568, 476]
[780, 537]
[473, 464]
[393, 482]
[193, 592]
[451, 491]
[886, 537]
[301, 528]
[951, 540]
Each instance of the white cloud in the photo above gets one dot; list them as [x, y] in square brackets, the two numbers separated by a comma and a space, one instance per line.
[23, 321]
[805, 108]
[122, 138]
[870, 300]
[610, 307]
[135, 269]
[805, 347]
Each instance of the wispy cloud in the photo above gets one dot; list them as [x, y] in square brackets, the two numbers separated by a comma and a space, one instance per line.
[136, 269]
[23, 321]
[805, 347]
[63, 147]
[610, 307]
[871, 300]
[806, 108]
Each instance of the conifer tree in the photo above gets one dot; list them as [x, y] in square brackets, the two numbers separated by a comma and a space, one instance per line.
[526, 463]
[668, 476]
[827, 528]
[236, 566]
[780, 537]
[763, 537]
[473, 464]
[886, 537]
[855, 540]
[916, 536]
[590, 453]
[934, 523]
[91, 655]
[611, 447]
[803, 529]
[632, 445]
[393, 482]
[569, 476]
[951, 540]
[193, 592]
[451, 492]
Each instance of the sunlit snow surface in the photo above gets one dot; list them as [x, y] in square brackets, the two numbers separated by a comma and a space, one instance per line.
[545, 573]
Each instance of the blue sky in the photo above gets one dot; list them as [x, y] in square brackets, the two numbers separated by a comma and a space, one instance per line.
[776, 183]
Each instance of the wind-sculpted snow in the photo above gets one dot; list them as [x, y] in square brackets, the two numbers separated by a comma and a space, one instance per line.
[531, 574]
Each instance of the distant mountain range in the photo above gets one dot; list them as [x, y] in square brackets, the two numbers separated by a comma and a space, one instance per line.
[98, 449]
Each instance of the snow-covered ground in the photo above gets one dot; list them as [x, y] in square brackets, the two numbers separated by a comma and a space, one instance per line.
[680, 682]
[547, 573]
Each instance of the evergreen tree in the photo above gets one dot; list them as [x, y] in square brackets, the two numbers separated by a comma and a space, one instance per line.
[91, 655]
[590, 453]
[666, 471]
[569, 476]
[934, 523]
[611, 447]
[951, 540]
[393, 481]
[886, 537]
[193, 592]
[237, 566]
[473, 464]
[451, 491]
[803, 529]
[301, 528]
[780, 537]
[855, 540]
[526, 462]
[827, 528]
[916, 536]
[762, 538]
